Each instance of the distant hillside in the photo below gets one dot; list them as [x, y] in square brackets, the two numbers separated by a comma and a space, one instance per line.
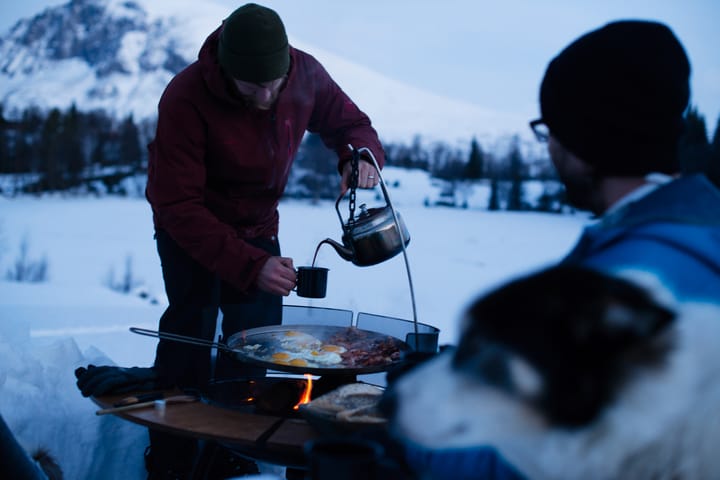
[118, 56]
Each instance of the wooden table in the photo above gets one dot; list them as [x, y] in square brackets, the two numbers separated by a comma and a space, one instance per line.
[263, 437]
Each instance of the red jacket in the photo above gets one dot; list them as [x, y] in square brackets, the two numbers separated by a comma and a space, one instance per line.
[217, 169]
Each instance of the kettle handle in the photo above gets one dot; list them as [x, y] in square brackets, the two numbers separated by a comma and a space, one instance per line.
[383, 187]
[337, 209]
[385, 192]
[380, 177]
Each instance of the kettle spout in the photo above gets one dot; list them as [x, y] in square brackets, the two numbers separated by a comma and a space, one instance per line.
[344, 252]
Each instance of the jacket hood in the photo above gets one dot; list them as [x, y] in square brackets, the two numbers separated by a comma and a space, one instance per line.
[689, 200]
[212, 73]
[679, 220]
[688, 205]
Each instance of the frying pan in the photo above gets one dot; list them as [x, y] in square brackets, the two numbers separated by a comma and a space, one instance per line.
[256, 346]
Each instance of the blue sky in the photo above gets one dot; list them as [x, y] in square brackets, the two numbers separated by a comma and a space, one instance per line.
[491, 53]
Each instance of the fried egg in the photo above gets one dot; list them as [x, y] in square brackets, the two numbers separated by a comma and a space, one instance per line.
[301, 349]
[306, 358]
[281, 357]
[321, 357]
[295, 341]
[298, 362]
[333, 348]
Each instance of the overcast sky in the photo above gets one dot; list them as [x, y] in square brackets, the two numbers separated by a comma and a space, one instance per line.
[491, 53]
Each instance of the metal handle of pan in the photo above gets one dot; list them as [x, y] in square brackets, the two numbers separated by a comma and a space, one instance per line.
[180, 338]
[402, 240]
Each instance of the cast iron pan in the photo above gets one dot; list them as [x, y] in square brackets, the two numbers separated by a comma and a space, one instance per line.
[261, 346]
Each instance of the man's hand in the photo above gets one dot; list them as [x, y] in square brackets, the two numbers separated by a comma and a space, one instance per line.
[277, 276]
[367, 176]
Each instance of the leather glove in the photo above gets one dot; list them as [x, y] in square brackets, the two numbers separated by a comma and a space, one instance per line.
[93, 381]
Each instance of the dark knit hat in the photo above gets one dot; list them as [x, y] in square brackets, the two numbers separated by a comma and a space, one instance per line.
[616, 97]
[253, 45]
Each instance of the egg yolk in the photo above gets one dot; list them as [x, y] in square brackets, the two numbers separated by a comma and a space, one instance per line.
[331, 348]
[298, 362]
[280, 356]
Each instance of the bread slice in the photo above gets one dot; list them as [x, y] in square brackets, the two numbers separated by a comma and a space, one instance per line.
[354, 402]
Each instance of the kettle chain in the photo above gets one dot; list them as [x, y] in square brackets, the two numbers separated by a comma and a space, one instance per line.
[354, 175]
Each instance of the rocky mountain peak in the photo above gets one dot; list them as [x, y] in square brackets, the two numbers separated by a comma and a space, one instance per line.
[119, 55]
[99, 33]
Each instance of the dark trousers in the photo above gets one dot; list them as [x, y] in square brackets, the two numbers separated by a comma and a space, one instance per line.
[16, 462]
[195, 296]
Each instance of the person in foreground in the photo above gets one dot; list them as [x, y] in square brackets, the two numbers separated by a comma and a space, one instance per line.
[229, 126]
[18, 464]
[567, 373]
[613, 105]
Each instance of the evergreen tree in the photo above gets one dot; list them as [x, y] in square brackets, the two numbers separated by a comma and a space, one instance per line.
[696, 131]
[475, 167]
[716, 137]
[494, 200]
[317, 166]
[418, 155]
[6, 161]
[516, 165]
[100, 133]
[448, 164]
[49, 152]
[694, 150]
[714, 167]
[407, 156]
[131, 154]
[26, 144]
[316, 156]
[71, 159]
[98, 158]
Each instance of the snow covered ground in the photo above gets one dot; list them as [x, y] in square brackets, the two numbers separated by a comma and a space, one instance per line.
[48, 329]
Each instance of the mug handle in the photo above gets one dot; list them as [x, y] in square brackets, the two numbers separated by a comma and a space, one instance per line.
[294, 289]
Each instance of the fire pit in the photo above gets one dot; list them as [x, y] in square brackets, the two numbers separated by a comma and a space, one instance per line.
[279, 396]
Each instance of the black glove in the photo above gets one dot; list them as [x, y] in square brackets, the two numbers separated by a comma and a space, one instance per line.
[93, 381]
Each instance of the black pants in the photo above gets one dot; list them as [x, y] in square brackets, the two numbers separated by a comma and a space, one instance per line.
[16, 462]
[195, 296]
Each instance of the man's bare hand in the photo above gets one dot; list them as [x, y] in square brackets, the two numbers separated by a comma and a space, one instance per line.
[277, 276]
[367, 176]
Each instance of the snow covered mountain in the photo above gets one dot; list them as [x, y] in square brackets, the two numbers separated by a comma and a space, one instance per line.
[118, 55]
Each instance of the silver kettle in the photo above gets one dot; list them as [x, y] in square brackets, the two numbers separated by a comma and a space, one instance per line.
[374, 234]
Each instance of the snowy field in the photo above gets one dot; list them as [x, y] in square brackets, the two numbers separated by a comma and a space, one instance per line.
[48, 329]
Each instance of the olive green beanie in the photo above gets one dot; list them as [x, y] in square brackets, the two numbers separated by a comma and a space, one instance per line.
[253, 45]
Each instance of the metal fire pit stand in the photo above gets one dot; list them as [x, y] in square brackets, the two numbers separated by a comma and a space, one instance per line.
[384, 188]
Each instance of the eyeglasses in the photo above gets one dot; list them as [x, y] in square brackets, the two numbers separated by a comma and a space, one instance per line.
[540, 129]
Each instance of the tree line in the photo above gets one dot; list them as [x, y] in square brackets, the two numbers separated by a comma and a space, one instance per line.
[71, 150]
[84, 152]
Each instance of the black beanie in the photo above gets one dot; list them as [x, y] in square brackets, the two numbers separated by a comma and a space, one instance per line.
[616, 97]
[253, 45]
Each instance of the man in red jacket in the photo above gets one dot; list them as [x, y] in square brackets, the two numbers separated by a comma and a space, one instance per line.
[229, 126]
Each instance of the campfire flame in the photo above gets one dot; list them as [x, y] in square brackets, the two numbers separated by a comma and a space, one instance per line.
[305, 397]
